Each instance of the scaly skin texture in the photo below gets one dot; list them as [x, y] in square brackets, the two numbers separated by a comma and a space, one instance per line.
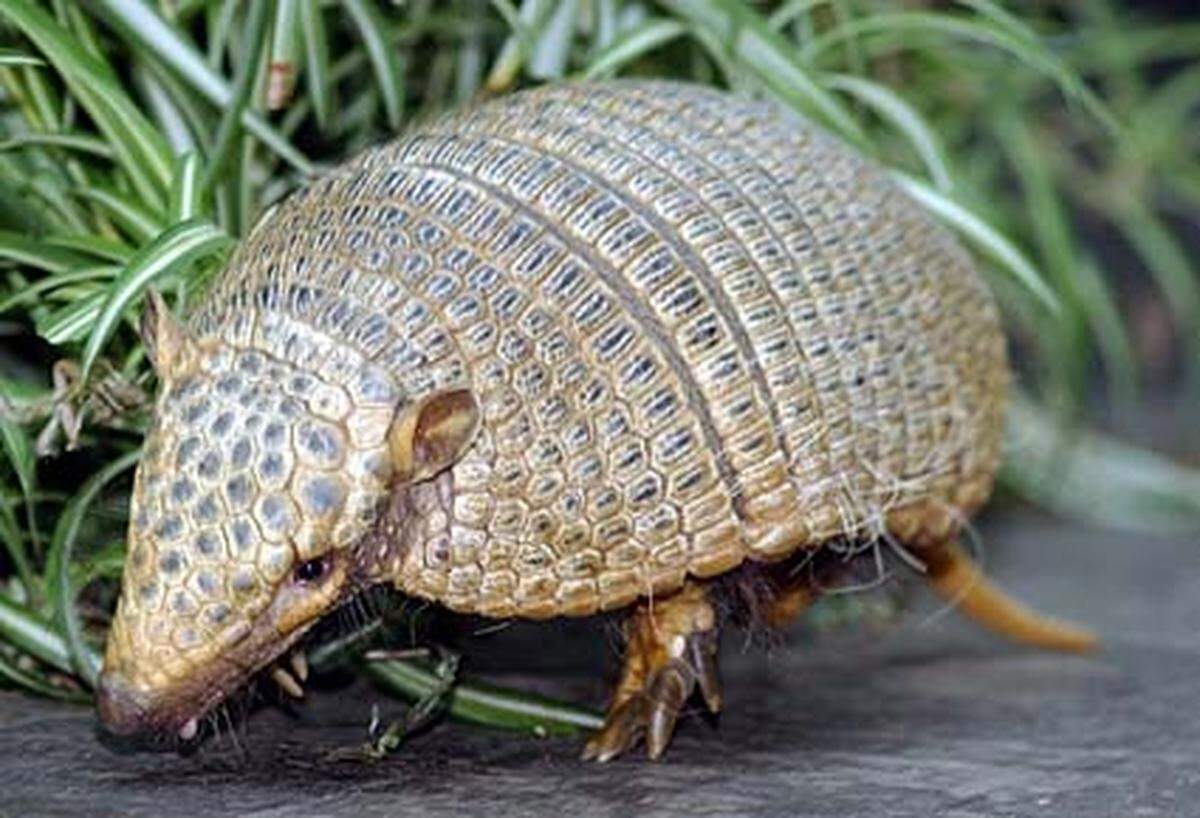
[685, 330]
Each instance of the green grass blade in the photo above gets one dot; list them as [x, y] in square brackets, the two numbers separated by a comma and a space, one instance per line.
[1088, 298]
[1147, 42]
[11, 56]
[512, 16]
[1116, 349]
[140, 223]
[80, 142]
[1002, 18]
[96, 246]
[177, 115]
[552, 48]
[1173, 271]
[73, 17]
[142, 25]
[107, 562]
[28, 632]
[790, 11]
[56, 193]
[771, 58]
[899, 27]
[375, 32]
[439, 73]
[523, 25]
[731, 73]
[35, 253]
[247, 203]
[23, 395]
[20, 454]
[282, 65]
[60, 558]
[141, 150]
[632, 44]
[44, 98]
[988, 239]
[316, 62]
[225, 144]
[220, 20]
[14, 543]
[30, 293]
[895, 109]
[1094, 477]
[604, 24]
[187, 195]
[486, 705]
[468, 68]
[19, 678]
[1167, 114]
[177, 247]
[72, 322]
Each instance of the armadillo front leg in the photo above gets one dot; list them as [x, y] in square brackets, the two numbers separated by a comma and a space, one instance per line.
[670, 650]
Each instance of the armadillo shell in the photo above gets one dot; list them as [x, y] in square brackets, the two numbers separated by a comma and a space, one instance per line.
[701, 330]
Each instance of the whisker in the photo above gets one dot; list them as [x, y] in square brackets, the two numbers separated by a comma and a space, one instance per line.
[212, 726]
[233, 736]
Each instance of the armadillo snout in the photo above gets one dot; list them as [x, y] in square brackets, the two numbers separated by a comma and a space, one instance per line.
[129, 712]
[122, 710]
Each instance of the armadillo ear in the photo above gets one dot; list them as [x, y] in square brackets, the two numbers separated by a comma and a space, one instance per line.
[431, 434]
[167, 342]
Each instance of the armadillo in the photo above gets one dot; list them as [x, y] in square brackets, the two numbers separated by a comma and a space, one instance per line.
[581, 348]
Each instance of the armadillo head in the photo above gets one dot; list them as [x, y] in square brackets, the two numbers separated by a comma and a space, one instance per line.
[255, 511]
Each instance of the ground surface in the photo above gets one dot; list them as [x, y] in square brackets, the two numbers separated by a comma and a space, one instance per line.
[921, 719]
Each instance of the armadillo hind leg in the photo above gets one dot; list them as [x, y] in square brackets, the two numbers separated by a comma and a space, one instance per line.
[670, 651]
[956, 577]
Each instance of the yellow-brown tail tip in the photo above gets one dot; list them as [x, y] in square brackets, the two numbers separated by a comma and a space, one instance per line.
[958, 579]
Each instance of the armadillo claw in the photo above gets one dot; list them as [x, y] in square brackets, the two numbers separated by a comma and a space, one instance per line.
[622, 729]
[702, 652]
[670, 688]
[653, 711]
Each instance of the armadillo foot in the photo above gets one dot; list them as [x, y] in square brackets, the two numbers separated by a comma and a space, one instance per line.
[670, 652]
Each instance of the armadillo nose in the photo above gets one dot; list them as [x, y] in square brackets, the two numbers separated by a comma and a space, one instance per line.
[120, 709]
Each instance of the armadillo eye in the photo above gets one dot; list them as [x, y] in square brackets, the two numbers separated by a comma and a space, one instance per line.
[312, 570]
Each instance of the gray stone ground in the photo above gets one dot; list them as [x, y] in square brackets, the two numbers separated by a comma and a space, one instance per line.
[921, 719]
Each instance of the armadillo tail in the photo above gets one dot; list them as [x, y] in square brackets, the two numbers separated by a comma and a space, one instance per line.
[957, 578]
